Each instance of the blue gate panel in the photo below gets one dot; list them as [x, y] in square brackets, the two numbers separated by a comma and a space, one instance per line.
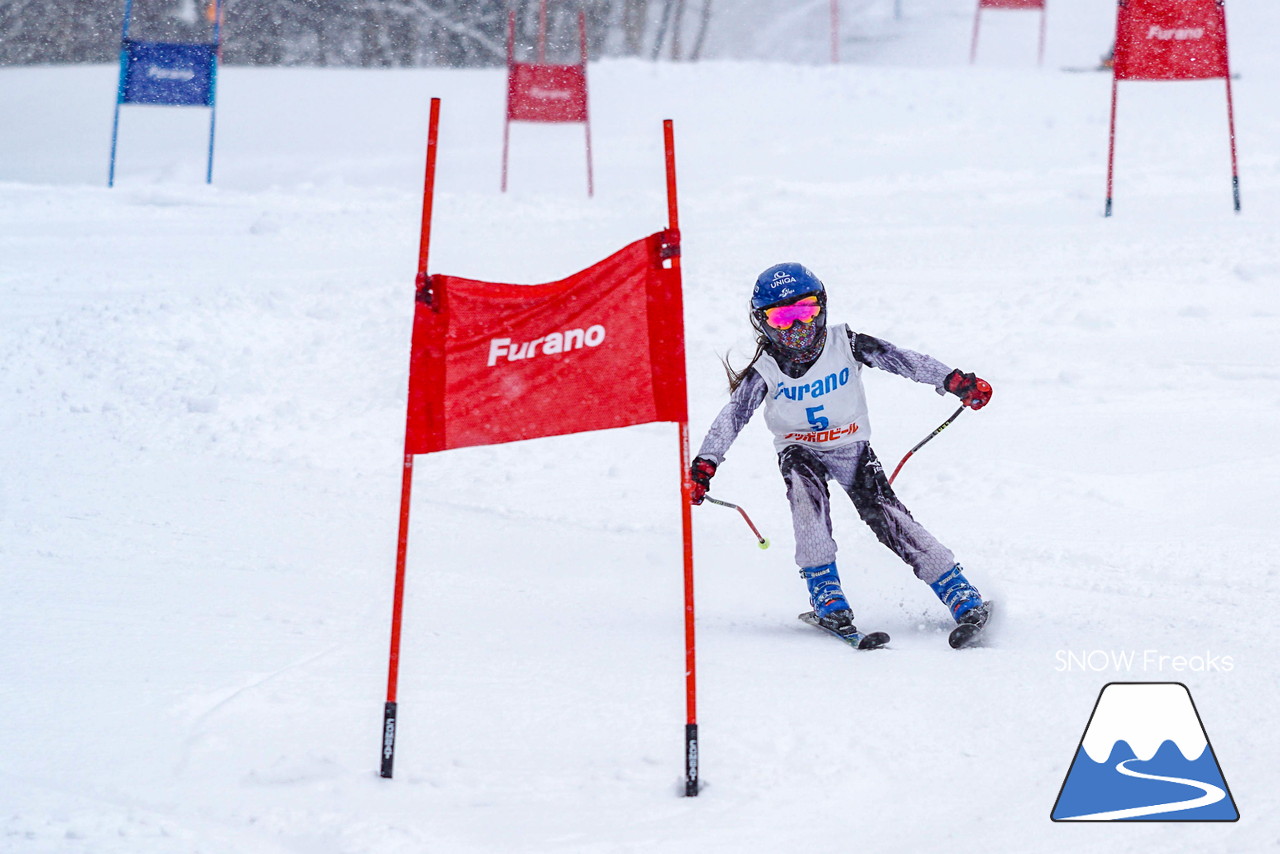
[167, 73]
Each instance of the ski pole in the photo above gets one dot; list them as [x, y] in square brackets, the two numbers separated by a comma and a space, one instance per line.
[764, 542]
[940, 428]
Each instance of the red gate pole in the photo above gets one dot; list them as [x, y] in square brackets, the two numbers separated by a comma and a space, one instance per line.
[406, 484]
[586, 119]
[1231, 129]
[686, 517]
[1111, 152]
[429, 187]
[506, 122]
[1231, 113]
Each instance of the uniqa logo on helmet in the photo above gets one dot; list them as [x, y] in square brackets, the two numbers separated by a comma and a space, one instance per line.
[783, 282]
[780, 281]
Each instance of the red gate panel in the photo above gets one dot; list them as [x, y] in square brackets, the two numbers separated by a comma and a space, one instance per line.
[1171, 40]
[495, 363]
[1035, 5]
[540, 92]
[546, 93]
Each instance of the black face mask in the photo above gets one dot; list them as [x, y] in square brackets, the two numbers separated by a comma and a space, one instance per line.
[801, 342]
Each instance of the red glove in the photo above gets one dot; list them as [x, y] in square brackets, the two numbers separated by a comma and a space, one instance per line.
[974, 392]
[700, 473]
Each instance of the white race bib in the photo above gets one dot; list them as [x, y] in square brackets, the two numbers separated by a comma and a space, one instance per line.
[826, 406]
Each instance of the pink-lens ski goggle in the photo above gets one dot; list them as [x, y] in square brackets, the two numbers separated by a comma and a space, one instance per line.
[785, 316]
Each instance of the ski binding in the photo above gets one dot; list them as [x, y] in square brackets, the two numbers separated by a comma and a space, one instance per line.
[855, 638]
[969, 632]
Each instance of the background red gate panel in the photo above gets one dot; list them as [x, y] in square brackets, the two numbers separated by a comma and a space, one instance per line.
[1171, 40]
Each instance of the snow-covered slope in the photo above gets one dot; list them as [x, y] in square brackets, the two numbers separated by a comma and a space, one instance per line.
[201, 412]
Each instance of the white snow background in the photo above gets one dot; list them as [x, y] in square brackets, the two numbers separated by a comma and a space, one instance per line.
[202, 394]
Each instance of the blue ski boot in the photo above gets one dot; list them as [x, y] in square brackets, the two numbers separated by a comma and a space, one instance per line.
[826, 597]
[961, 598]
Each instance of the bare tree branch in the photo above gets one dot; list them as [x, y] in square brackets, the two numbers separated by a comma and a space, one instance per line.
[703, 22]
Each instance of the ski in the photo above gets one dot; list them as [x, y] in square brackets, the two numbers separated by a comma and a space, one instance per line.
[970, 633]
[855, 639]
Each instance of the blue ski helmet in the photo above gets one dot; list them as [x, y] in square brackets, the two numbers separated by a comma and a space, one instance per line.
[784, 283]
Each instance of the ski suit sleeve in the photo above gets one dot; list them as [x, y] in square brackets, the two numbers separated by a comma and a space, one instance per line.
[878, 353]
[742, 404]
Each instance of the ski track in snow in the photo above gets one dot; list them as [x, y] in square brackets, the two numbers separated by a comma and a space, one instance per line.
[202, 396]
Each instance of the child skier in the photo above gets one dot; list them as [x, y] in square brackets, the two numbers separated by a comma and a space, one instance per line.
[808, 376]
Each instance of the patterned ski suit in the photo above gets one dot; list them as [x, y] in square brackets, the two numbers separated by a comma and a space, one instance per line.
[821, 431]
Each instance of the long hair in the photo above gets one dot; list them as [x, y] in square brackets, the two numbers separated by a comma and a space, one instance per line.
[736, 376]
[787, 361]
